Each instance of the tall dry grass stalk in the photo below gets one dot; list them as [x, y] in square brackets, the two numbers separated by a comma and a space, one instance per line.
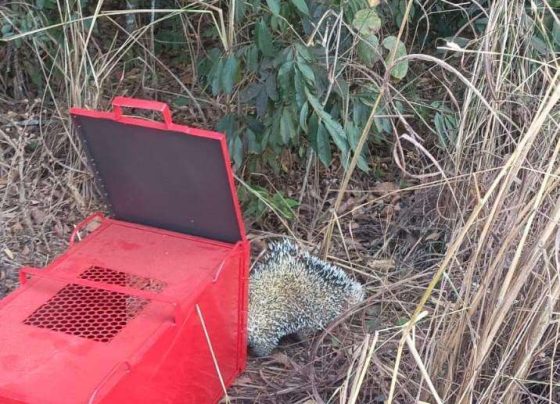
[503, 258]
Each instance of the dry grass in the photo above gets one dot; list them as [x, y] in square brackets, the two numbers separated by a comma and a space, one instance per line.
[462, 267]
[503, 256]
[491, 331]
[502, 259]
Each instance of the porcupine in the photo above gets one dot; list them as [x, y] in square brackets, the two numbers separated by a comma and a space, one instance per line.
[293, 292]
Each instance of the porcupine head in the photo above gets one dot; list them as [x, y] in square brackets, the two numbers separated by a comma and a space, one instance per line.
[293, 292]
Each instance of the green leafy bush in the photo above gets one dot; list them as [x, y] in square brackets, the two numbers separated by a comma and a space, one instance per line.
[258, 202]
[298, 74]
[297, 78]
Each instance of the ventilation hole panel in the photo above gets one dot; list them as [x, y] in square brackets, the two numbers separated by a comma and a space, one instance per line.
[87, 312]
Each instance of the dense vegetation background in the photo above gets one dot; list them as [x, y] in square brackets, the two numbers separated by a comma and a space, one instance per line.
[414, 143]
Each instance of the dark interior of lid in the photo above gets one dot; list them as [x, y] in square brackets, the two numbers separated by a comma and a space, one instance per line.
[161, 178]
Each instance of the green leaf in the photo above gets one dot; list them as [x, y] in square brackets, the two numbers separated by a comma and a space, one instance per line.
[253, 145]
[254, 124]
[383, 125]
[301, 5]
[252, 59]
[284, 205]
[264, 39]
[307, 72]
[287, 127]
[215, 77]
[299, 85]
[556, 33]
[51, 4]
[87, 22]
[353, 135]
[303, 116]
[334, 128]
[402, 6]
[274, 6]
[345, 159]
[368, 50]
[37, 78]
[6, 29]
[539, 45]
[226, 125]
[237, 152]
[258, 201]
[230, 72]
[367, 21]
[180, 101]
[312, 124]
[205, 65]
[400, 69]
[285, 74]
[271, 89]
[250, 92]
[240, 9]
[275, 137]
[323, 148]
[261, 103]
[445, 123]
[480, 24]
[362, 163]
[342, 88]
[303, 52]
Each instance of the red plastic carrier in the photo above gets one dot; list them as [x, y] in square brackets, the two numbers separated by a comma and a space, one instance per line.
[150, 307]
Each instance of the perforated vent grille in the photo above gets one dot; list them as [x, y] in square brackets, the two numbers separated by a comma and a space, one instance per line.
[113, 277]
[92, 313]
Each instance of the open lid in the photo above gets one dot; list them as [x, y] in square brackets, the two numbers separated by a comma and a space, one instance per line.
[161, 174]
